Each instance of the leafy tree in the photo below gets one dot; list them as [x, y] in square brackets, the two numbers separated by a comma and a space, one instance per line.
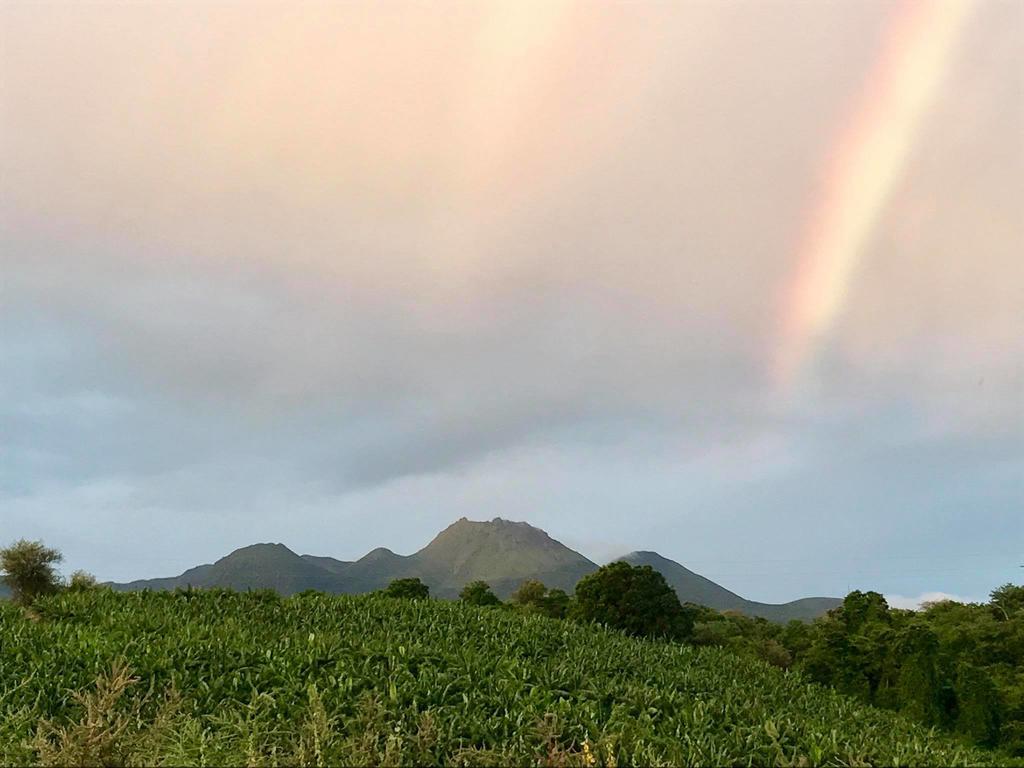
[635, 599]
[1008, 602]
[861, 608]
[534, 597]
[530, 592]
[919, 687]
[556, 603]
[408, 589]
[478, 593]
[82, 581]
[29, 571]
[978, 705]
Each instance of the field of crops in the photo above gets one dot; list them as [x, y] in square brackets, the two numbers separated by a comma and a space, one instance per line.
[221, 678]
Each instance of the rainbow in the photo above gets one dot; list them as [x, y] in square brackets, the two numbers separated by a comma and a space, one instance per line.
[866, 162]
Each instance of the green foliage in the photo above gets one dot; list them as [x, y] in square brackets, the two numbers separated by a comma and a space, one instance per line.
[1008, 602]
[959, 667]
[478, 593]
[220, 678]
[28, 570]
[407, 589]
[82, 581]
[533, 597]
[635, 599]
[978, 703]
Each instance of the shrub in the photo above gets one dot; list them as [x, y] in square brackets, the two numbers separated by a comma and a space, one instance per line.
[28, 569]
[408, 589]
[82, 581]
[533, 597]
[478, 593]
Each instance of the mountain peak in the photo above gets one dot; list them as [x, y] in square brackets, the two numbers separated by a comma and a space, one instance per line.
[503, 553]
[265, 550]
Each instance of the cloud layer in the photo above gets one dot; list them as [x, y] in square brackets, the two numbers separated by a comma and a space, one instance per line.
[339, 274]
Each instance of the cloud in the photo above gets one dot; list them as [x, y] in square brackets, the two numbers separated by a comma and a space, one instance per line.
[917, 603]
[346, 275]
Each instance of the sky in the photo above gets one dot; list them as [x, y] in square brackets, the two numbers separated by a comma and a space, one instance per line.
[740, 282]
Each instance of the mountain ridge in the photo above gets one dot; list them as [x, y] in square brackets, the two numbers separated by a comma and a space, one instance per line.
[503, 553]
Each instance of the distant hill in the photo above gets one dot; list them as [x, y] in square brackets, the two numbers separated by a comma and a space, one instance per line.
[501, 552]
[694, 588]
[260, 566]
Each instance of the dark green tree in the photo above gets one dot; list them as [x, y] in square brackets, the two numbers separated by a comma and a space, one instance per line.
[28, 570]
[478, 593]
[918, 687]
[978, 705]
[408, 589]
[634, 599]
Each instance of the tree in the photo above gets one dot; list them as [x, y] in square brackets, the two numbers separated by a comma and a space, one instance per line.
[534, 597]
[29, 571]
[81, 581]
[556, 603]
[409, 589]
[978, 705]
[918, 684]
[478, 593]
[1007, 601]
[530, 592]
[635, 599]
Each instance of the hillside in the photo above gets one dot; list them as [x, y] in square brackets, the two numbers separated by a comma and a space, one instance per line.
[260, 566]
[694, 588]
[501, 552]
[370, 680]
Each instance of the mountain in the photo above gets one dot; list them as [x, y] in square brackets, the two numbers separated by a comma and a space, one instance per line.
[501, 552]
[694, 588]
[260, 566]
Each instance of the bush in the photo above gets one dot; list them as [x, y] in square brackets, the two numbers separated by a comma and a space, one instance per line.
[82, 581]
[635, 599]
[533, 597]
[478, 593]
[408, 589]
[28, 569]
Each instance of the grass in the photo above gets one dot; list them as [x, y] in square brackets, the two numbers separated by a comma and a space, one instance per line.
[219, 678]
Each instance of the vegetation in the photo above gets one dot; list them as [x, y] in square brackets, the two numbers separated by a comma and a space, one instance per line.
[533, 597]
[28, 568]
[82, 581]
[952, 666]
[407, 589]
[635, 599]
[479, 593]
[214, 677]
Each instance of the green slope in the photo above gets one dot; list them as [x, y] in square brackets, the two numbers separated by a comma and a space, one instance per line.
[260, 566]
[694, 588]
[502, 553]
[371, 680]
